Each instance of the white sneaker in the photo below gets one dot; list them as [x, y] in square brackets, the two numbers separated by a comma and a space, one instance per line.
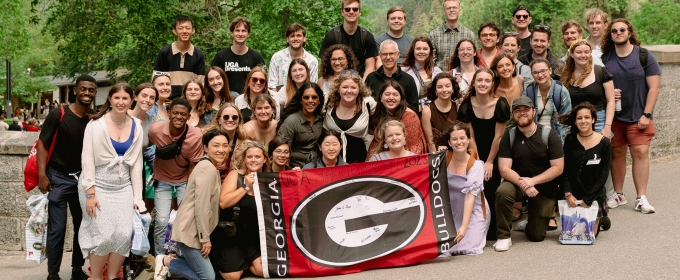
[502, 245]
[616, 199]
[642, 205]
[161, 271]
[521, 225]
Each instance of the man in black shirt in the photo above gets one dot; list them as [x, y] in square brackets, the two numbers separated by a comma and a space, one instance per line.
[530, 165]
[389, 53]
[181, 59]
[238, 59]
[15, 126]
[540, 48]
[356, 37]
[521, 19]
[59, 175]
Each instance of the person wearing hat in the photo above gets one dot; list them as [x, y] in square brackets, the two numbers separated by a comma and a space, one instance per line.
[530, 160]
[15, 126]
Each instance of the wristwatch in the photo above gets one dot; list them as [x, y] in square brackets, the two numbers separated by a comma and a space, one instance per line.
[648, 115]
[245, 187]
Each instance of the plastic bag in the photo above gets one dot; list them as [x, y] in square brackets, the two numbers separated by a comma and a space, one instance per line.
[36, 228]
[578, 223]
[140, 233]
[170, 244]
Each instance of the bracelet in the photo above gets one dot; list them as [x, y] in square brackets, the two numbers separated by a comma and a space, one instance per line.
[88, 196]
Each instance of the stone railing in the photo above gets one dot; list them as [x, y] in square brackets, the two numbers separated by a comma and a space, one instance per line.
[15, 146]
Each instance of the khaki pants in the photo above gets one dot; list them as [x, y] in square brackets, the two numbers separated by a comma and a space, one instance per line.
[540, 211]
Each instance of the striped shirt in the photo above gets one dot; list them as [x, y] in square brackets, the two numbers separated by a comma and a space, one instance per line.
[445, 40]
[181, 66]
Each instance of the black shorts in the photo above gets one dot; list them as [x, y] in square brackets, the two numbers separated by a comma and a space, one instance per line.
[234, 256]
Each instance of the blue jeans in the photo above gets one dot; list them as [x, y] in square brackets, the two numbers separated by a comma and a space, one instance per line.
[599, 124]
[163, 202]
[64, 193]
[191, 265]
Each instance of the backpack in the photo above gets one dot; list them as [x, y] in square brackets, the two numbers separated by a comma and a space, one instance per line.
[557, 93]
[338, 35]
[644, 54]
[545, 134]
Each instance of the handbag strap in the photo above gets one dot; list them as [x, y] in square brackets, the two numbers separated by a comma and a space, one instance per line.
[470, 163]
[54, 138]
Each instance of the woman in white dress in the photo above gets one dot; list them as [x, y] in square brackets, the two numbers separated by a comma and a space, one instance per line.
[110, 182]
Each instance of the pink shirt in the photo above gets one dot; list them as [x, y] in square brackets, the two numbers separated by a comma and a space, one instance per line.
[175, 170]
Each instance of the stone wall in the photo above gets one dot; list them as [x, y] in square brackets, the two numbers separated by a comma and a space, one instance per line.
[15, 146]
[14, 149]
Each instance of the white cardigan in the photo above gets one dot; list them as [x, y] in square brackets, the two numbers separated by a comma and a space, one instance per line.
[98, 150]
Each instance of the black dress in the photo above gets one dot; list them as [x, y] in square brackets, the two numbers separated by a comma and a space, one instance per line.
[485, 132]
[237, 253]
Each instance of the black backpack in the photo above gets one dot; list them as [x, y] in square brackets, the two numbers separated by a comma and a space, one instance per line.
[338, 34]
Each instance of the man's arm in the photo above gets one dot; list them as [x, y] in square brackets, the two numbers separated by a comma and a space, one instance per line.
[43, 182]
[505, 168]
[369, 64]
[653, 82]
[555, 170]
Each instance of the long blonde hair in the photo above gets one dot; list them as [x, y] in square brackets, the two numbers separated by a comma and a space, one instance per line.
[334, 95]
[568, 71]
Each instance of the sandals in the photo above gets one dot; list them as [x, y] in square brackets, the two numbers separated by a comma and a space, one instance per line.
[551, 228]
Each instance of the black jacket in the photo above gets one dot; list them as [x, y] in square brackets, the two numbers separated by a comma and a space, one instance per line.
[376, 80]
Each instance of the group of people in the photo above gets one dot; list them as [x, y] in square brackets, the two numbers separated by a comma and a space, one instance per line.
[520, 126]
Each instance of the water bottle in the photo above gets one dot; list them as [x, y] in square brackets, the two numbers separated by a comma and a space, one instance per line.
[617, 106]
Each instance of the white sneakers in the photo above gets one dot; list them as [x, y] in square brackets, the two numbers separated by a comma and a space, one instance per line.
[642, 205]
[616, 199]
[161, 271]
[502, 245]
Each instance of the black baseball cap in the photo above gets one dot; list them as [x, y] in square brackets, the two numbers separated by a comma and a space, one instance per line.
[519, 8]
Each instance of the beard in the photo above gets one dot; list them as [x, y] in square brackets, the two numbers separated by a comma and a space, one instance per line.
[523, 121]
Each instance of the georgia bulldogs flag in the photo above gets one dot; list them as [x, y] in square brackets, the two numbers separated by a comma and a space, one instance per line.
[350, 218]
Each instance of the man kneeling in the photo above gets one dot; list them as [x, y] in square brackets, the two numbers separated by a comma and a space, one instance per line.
[530, 165]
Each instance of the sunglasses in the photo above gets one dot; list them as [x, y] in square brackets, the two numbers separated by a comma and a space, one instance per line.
[312, 97]
[622, 29]
[353, 9]
[541, 27]
[511, 33]
[521, 16]
[160, 73]
[258, 81]
[233, 117]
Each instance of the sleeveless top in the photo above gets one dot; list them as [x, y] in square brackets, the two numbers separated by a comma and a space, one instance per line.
[485, 129]
[122, 147]
[442, 121]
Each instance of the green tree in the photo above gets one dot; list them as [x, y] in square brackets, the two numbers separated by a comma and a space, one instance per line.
[654, 25]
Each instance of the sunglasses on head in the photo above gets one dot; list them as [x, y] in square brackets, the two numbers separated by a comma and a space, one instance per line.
[541, 27]
[353, 9]
[257, 80]
[511, 33]
[160, 73]
[521, 16]
[622, 29]
[233, 117]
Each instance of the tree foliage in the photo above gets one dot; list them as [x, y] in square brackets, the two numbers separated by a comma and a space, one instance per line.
[115, 34]
[658, 26]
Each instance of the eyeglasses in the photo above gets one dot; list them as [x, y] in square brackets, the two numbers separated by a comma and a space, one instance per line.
[353, 9]
[389, 54]
[521, 16]
[280, 152]
[511, 33]
[257, 80]
[349, 72]
[233, 117]
[540, 72]
[160, 73]
[541, 27]
[621, 30]
[338, 60]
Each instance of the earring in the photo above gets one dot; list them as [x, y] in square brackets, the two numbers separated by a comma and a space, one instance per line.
[385, 145]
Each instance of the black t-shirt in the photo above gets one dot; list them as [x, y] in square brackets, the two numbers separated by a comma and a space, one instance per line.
[525, 46]
[236, 66]
[530, 157]
[362, 52]
[593, 93]
[69, 146]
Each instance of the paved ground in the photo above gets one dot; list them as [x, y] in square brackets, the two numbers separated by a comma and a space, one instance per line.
[637, 246]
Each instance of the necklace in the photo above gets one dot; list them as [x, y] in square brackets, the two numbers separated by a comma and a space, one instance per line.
[591, 134]
[532, 133]
[118, 124]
